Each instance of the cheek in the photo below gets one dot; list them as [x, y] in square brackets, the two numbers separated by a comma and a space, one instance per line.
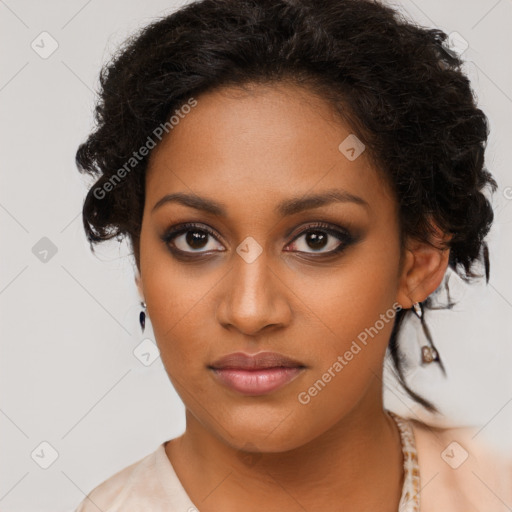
[176, 318]
[348, 358]
[350, 352]
[177, 311]
[353, 296]
[353, 315]
[176, 298]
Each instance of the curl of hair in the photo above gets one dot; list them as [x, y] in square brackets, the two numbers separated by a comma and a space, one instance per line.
[396, 85]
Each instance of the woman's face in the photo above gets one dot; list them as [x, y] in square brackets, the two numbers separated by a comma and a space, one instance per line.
[256, 274]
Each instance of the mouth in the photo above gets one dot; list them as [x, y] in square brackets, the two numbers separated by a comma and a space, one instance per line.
[257, 374]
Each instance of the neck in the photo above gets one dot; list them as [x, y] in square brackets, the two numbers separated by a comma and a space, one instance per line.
[357, 463]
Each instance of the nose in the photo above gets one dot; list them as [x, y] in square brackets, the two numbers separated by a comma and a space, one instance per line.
[254, 298]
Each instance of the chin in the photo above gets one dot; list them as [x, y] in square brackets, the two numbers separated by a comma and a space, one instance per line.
[265, 433]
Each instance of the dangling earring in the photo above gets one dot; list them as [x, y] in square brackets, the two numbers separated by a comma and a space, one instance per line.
[428, 352]
[142, 317]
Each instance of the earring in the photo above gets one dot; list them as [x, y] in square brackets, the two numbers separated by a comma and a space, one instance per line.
[142, 316]
[418, 310]
[428, 352]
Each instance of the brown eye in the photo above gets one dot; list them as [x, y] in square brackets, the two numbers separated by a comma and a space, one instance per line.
[190, 238]
[196, 239]
[316, 239]
[321, 239]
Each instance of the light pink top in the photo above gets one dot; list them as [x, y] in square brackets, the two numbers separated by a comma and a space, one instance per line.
[445, 470]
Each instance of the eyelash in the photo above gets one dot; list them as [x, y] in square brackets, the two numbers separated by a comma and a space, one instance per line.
[342, 235]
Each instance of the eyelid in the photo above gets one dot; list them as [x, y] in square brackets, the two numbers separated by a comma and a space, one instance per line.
[322, 226]
[180, 229]
[344, 237]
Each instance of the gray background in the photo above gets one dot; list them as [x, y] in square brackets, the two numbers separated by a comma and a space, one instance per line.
[69, 320]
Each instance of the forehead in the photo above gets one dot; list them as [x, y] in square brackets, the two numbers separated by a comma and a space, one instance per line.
[259, 142]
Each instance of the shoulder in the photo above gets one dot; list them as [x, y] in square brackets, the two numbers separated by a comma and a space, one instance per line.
[460, 471]
[111, 491]
[150, 483]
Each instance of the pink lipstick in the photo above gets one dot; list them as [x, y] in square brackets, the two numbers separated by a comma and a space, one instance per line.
[256, 374]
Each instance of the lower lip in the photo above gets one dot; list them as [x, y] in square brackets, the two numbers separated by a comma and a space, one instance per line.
[256, 382]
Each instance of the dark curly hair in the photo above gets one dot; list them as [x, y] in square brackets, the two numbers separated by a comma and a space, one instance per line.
[397, 85]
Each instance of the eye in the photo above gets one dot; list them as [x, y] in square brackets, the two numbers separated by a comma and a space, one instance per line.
[190, 236]
[322, 236]
[188, 239]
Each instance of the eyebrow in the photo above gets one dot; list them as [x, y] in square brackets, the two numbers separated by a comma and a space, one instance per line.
[285, 208]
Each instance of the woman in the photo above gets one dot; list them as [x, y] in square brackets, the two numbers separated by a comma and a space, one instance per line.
[295, 178]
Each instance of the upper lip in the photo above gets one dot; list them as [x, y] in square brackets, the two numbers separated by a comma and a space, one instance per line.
[261, 360]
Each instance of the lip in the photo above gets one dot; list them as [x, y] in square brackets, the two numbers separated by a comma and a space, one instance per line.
[259, 361]
[256, 374]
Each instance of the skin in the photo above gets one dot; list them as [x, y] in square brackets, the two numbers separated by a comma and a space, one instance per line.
[250, 150]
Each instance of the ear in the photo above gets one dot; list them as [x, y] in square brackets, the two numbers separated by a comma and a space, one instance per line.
[423, 269]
